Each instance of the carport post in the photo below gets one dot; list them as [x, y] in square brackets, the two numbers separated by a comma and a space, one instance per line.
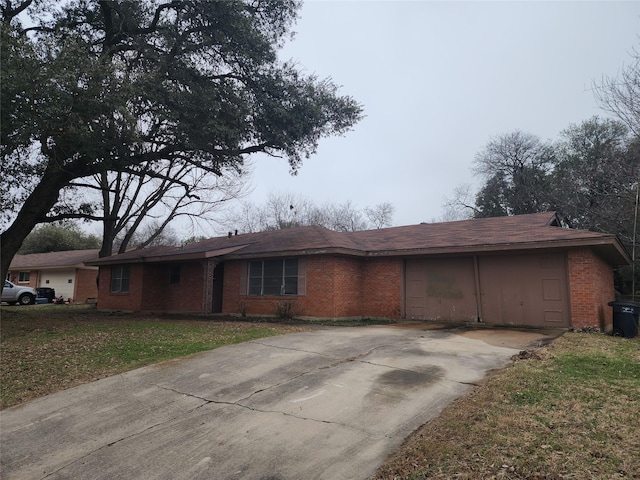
[476, 274]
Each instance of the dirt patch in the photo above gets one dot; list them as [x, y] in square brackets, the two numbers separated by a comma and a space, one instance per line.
[513, 337]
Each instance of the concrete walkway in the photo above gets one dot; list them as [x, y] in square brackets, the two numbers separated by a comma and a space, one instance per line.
[329, 404]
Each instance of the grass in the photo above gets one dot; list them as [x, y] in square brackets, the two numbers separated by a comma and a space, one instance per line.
[48, 348]
[569, 410]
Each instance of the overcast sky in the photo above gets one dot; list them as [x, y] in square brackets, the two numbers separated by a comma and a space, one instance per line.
[437, 80]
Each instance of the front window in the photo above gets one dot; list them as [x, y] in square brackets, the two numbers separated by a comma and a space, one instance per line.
[120, 278]
[23, 277]
[273, 277]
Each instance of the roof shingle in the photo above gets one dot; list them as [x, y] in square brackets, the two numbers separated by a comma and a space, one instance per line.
[520, 232]
[67, 258]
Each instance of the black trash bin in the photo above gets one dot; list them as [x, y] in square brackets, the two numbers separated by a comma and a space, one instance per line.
[46, 292]
[625, 318]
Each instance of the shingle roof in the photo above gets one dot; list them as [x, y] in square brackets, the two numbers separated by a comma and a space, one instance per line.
[67, 258]
[481, 232]
[522, 232]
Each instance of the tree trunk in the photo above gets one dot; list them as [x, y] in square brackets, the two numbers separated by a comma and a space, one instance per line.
[35, 208]
[109, 222]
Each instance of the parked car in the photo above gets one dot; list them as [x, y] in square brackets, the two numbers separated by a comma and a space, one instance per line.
[13, 294]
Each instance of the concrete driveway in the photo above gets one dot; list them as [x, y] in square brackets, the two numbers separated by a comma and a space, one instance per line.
[328, 404]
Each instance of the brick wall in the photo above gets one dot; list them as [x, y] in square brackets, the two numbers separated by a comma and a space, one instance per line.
[85, 285]
[335, 287]
[131, 300]
[591, 288]
[185, 295]
[318, 300]
[382, 288]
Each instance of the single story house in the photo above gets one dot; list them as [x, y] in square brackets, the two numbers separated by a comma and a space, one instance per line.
[521, 270]
[66, 272]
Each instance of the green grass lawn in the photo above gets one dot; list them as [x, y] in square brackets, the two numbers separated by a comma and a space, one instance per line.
[570, 410]
[48, 348]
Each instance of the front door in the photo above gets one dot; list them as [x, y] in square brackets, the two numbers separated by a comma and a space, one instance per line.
[218, 278]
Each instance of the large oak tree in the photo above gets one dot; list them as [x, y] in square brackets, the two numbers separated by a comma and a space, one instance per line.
[105, 86]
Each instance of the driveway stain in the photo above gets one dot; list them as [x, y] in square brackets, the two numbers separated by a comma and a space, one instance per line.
[410, 379]
[391, 386]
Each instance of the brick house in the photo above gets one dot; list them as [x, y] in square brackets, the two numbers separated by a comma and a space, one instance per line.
[66, 272]
[519, 270]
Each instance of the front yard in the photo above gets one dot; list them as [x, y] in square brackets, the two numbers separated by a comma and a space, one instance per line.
[47, 348]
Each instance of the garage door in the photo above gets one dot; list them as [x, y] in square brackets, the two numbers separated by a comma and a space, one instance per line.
[521, 289]
[524, 290]
[441, 289]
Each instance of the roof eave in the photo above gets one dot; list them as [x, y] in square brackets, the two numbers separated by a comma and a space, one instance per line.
[610, 248]
[298, 253]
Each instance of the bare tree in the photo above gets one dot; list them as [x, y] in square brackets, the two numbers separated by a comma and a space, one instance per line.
[152, 234]
[345, 218]
[620, 95]
[381, 215]
[286, 210]
[460, 206]
[139, 204]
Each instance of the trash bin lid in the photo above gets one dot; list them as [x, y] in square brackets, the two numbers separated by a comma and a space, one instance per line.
[620, 303]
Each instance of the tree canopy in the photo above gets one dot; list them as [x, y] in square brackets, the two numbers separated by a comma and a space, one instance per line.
[57, 237]
[94, 87]
[595, 176]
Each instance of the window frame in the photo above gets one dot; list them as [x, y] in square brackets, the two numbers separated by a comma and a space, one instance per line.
[120, 278]
[284, 283]
[24, 277]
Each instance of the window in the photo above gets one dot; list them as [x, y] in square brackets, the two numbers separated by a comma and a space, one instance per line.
[273, 277]
[70, 280]
[174, 274]
[120, 278]
[23, 277]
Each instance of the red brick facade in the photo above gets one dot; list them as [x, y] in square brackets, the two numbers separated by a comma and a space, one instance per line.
[591, 288]
[156, 287]
[85, 285]
[174, 287]
[336, 287]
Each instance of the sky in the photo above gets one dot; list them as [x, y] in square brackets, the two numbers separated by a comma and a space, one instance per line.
[438, 80]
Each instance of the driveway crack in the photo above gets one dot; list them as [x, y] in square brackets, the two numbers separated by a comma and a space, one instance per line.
[238, 403]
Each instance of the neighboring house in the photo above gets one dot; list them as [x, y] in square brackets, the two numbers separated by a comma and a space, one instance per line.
[66, 272]
[519, 270]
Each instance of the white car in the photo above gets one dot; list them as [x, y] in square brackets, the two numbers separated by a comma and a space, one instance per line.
[13, 294]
